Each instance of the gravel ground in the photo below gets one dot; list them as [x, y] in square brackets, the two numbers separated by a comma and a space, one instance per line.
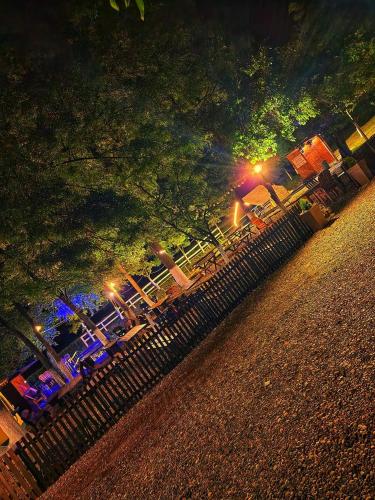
[277, 402]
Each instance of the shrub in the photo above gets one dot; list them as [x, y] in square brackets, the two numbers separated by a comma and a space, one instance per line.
[304, 204]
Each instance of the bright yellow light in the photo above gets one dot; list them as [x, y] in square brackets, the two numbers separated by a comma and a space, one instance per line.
[257, 169]
[112, 285]
[161, 252]
[38, 328]
[111, 294]
[247, 204]
[235, 222]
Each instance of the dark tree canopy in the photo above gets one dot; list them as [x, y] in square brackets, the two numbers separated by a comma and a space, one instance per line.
[117, 132]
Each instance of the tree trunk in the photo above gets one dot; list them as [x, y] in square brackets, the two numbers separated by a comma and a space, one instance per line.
[129, 313]
[44, 361]
[275, 197]
[51, 351]
[360, 131]
[88, 322]
[178, 275]
[135, 285]
[220, 247]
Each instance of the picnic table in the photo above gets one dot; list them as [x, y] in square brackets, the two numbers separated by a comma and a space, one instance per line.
[205, 263]
[159, 303]
[115, 346]
[133, 331]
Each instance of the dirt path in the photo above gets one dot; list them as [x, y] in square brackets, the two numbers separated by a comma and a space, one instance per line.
[278, 401]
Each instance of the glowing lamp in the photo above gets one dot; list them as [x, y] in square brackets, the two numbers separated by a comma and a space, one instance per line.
[38, 328]
[257, 169]
[235, 221]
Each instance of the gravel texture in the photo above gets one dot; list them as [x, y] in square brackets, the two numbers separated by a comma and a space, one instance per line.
[277, 402]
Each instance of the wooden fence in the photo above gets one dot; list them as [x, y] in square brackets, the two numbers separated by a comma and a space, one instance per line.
[16, 481]
[86, 415]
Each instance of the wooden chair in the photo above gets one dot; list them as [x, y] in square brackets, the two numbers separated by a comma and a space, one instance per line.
[330, 185]
[320, 196]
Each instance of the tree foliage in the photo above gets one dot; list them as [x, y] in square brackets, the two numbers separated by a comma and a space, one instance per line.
[331, 53]
[354, 78]
[140, 4]
[116, 133]
[275, 122]
[273, 115]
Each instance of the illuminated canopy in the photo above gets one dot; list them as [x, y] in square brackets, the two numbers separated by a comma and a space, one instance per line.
[259, 195]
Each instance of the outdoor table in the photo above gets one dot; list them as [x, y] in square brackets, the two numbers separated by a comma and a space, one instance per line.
[133, 331]
[4, 439]
[194, 274]
[91, 350]
[242, 239]
[116, 346]
[203, 261]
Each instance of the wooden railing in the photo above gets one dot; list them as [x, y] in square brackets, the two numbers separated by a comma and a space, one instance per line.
[86, 415]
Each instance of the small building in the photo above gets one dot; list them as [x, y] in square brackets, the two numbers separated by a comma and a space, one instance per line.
[307, 159]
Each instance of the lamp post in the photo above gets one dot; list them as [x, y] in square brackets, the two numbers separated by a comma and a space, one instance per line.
[258, 170]
[135, 285]
[111, 296]
[128, 311]
[178, 275]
